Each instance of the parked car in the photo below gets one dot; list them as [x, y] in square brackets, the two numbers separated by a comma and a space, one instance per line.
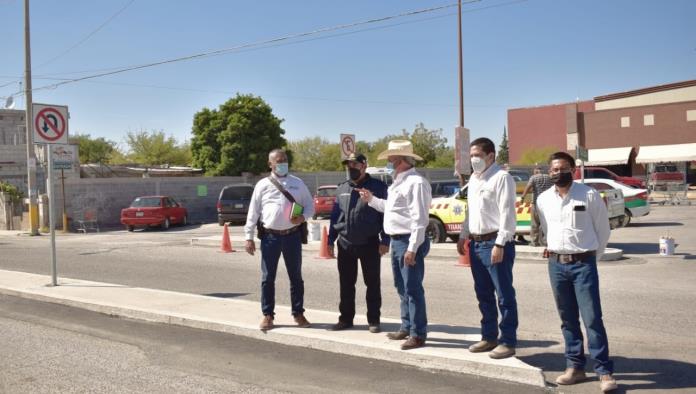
[147, 211]
[599, 172]
[448, 213]
[444, 188]
[616, 207]
[324, 200]
[233, 203]
[521, 178]
[635, 200]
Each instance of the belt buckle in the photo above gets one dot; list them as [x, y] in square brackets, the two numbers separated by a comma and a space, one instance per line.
[565, 258]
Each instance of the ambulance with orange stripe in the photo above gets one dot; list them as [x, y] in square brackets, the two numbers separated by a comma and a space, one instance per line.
[448, 213]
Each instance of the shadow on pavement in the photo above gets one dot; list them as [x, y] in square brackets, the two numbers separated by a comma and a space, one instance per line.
[654, 224]
[225, 295]
[631, 373]
[636, 247]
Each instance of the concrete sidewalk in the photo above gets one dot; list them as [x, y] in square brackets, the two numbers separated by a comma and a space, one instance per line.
[446, 348]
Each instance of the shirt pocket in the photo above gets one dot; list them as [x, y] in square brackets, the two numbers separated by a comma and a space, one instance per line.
[580, 218]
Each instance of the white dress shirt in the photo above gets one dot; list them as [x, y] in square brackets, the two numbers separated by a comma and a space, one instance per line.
[575, 223]
[273, 207]
[491, 205]
[406, 207]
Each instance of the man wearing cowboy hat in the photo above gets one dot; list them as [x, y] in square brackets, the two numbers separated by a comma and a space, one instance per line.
[405, 220]
[357, 229]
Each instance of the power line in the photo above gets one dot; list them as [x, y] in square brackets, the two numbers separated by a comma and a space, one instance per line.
[88, 36]
[256, 44]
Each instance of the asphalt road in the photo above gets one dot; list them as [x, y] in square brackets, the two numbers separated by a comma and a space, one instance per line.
[648, 300]
[56, 349]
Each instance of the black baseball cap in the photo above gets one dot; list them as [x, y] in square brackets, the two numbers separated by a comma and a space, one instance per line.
[357, 157]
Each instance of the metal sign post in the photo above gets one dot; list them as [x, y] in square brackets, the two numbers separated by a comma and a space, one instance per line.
[50, 124]
[581, 156]
[51, 220]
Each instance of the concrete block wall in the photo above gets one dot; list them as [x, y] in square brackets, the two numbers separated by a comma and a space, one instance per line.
[105, 197]
[12, 126]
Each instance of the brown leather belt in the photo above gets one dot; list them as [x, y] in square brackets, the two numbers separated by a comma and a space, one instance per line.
[282, 232]
[571, 258]
[483, 237]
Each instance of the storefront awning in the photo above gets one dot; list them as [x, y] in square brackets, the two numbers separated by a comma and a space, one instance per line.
[666, 153]
[608, 156]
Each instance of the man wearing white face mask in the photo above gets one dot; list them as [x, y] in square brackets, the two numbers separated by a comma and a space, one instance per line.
[490, 226]
[281, 202]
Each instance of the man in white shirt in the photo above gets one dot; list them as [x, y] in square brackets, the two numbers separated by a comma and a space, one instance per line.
[280, 232]
[575, 220]
[490, 226]
[405, 220]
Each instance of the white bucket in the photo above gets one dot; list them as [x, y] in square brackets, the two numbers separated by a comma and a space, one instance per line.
[314, 231]
[666, 246]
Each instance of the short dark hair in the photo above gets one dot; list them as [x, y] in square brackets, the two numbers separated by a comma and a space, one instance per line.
[486, 145]
[563, 156]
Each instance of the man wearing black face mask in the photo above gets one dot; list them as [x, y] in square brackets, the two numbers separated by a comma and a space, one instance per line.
[575, 220]
[358, 230]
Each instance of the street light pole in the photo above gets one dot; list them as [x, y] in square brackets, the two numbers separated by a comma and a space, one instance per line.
[32, 188]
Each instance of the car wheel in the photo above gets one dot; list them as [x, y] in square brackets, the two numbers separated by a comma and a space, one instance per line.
[454, 237]
[314, 217]
[130, 228]
[435, 231]
[165, 225]
[627, 218]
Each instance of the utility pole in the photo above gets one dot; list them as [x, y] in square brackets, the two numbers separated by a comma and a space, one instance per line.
[32, 187]
[461, 72]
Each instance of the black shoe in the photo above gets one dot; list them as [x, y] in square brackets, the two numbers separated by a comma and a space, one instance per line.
[340, 326]
[374, 328]
[397, 336]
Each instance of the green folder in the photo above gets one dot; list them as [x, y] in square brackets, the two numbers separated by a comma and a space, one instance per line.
[296, 210]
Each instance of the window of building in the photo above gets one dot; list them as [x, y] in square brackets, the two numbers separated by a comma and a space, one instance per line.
[649, 120]
[625, 121]
[691, 115]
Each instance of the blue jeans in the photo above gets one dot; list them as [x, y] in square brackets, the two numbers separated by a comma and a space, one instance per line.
[408, 280]
[576, 290]
[272, 246]
[489, 280]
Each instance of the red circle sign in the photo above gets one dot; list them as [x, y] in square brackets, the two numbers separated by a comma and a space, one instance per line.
[50, 124]
[347, 146]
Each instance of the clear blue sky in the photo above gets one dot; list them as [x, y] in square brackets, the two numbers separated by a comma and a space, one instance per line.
[374, 81]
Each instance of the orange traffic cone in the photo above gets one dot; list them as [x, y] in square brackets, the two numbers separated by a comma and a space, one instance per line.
[464, 258]
[324, 245]
[226, 246]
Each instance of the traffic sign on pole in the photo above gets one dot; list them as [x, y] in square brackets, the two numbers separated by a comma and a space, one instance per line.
[347, 145]
[50, 124]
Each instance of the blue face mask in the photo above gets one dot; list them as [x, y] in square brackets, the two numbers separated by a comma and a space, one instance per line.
[281, 169]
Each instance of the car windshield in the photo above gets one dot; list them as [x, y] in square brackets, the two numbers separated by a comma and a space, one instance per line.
[519, 175]
[142, 202]
[237, 193]
[327, 192]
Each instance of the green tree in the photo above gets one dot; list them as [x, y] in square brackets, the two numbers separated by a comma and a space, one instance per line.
[503, 150]
[315, 154]
[236, 137]
[94, 150]
[431, 145]
[155, 148]
[532, 156]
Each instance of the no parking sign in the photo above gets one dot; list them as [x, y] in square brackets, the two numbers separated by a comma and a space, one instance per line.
[50, 124]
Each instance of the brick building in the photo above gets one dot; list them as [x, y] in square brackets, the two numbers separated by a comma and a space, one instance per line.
[614, 127]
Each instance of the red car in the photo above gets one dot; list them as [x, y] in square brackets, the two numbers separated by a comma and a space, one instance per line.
[324, 200]
[150, 211]
[603, 173]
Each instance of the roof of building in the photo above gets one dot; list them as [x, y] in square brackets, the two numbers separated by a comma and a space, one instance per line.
[651, 89]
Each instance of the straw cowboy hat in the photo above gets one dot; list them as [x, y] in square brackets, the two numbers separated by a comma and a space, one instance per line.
[399, 148]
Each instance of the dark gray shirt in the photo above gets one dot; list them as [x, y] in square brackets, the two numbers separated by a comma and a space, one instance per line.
[540, 183]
